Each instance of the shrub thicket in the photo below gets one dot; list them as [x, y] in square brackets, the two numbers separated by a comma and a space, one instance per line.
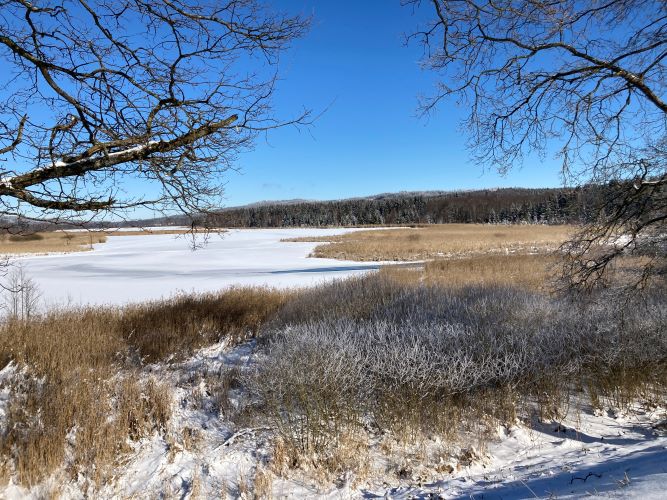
[426, 359]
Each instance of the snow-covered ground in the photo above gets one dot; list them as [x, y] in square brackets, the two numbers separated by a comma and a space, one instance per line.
[589, 454]
[203, 455]
[602, 454]
[134, 268]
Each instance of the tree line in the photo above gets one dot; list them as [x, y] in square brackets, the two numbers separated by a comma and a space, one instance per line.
[501, 206]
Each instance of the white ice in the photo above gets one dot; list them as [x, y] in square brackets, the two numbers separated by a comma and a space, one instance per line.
[135, 268]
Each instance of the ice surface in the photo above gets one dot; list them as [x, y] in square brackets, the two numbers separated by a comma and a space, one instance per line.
[134, 268]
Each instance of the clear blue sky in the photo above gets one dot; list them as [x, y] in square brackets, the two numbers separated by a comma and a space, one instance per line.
[353, 64]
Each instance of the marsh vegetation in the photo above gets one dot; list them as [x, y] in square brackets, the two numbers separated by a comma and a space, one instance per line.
[418, 366]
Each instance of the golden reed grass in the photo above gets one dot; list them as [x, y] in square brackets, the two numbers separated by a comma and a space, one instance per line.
[47, 242]
[78, 394]
[530, 271]
[437, 241]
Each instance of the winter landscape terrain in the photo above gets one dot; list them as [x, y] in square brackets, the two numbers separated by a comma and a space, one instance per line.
[492, 325]
[209, 446]
[607, 455]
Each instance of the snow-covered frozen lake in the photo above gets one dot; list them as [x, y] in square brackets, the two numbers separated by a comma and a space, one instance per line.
[134, 268]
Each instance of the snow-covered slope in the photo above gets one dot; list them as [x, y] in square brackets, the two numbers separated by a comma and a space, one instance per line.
[205, 456]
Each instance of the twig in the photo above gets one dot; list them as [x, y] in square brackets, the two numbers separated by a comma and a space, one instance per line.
[585, 478]
[240, 433]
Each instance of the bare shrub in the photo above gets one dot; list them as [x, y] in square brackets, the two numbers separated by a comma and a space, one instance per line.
[426, 359]
[312, 401]
[21, 293]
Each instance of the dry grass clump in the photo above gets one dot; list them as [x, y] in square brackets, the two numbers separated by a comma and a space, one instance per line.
[177, 326]
[78, 396]
[446, 240]
[46, 242]
[60, 341]
[262, 483]
[71, 403]
[346, 458]
[79, 423]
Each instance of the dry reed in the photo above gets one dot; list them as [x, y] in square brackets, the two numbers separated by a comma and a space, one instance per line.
[78, 395]
[528, 271]
[437, 241]
[56, 241]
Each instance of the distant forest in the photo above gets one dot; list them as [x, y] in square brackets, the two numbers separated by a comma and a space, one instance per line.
[511, 206]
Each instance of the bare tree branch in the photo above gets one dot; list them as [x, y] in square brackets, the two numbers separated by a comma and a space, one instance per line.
[102, 98]
[585, 78]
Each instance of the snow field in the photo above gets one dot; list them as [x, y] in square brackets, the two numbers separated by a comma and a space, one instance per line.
[136, 268]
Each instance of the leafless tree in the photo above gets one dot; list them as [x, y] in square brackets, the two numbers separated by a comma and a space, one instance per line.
[583, 80]
[20, 293]
[101, 99]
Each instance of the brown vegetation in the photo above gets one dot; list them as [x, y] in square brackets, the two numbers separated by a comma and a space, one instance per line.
[527, 271]
[69, 241]
[78, 393]
[539, 272]
[176, 326]
[446, 240]
[46, 242]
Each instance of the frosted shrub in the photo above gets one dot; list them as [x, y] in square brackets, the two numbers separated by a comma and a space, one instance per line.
[311, 382]
[417, 351]
[20, 293]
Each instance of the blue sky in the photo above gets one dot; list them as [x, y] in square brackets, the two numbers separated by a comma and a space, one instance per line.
[354, 67]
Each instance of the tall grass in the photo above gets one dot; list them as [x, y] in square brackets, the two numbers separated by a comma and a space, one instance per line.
[44, 242]
[78, 395]
[440, 240]
[176, 326]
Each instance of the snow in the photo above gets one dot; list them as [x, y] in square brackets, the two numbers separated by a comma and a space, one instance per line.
[599, 455]
[111, 230]
[135, 268]
[587, 454]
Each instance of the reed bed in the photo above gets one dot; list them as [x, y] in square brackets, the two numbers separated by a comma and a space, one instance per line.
[438, 241]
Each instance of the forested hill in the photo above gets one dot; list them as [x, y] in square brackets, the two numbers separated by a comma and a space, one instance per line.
[510, 205]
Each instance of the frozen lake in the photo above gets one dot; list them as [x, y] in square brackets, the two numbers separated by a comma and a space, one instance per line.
[133, 268]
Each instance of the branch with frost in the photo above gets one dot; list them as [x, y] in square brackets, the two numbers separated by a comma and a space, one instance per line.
[17, 186]
[154, 107]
